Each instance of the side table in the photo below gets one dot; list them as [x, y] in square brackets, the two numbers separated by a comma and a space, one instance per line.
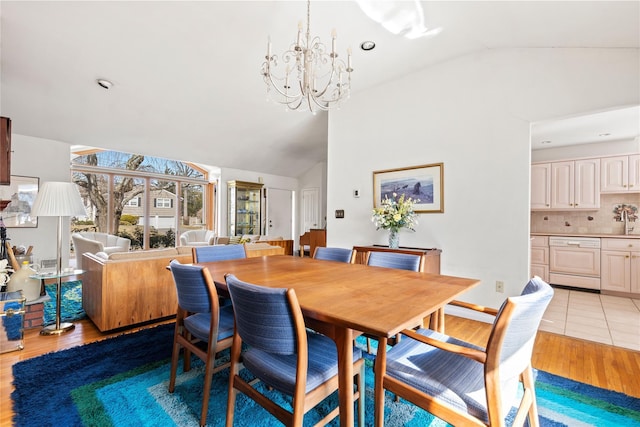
[59, 327]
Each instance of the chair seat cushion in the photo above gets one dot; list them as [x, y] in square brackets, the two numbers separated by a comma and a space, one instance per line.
[198, 324]
[279, 371]
[451, 378]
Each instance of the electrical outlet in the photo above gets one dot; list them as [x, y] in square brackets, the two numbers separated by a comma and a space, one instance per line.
[499, 286]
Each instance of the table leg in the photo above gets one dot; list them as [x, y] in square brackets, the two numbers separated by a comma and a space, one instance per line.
[344, 343]
[380, 369]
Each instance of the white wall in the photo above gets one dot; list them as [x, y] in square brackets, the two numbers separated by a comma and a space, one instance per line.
[48, 160]
[473, 114]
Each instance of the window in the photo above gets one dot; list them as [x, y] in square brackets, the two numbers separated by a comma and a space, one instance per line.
[163, 203]
[147, 199]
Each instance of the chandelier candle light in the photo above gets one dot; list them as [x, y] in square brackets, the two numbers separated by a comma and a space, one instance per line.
[393, 215]
[314, 78]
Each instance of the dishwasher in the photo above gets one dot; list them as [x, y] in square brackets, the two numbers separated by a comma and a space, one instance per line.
[575, 262]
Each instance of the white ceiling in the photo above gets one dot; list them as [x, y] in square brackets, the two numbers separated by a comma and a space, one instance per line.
[186, 74]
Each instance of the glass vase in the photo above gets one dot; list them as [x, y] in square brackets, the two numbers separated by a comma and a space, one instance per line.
[394, 239]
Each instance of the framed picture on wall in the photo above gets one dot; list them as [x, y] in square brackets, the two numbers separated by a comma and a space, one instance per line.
[425, 183]
[21, 192]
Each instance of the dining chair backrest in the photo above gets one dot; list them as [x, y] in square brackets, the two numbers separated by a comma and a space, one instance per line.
[400, 261]
[218, 253]
[264, 318]
[519, 329]
[191, 287]
[335, 254]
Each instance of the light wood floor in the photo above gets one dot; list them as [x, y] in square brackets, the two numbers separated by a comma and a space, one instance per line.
[585, 361]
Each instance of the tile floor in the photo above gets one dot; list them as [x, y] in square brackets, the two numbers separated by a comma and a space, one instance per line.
[594, 317]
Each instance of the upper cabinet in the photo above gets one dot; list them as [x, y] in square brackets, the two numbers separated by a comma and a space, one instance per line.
[575, 184]
[541, 186]
[620, 174]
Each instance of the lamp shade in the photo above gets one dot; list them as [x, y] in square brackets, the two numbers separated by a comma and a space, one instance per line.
[58, 199]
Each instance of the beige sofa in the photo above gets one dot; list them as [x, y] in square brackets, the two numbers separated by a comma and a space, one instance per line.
[127, 288]
[198, 238]
[93, 242]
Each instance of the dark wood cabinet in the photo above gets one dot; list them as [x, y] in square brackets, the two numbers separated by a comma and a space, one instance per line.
[5, 151]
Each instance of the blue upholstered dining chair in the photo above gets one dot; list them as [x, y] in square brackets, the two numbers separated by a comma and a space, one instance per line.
[283, 354]
[401, 261]
[335, 254]
[218, 253]
[200, 319]
[465, 384]
[396, 260]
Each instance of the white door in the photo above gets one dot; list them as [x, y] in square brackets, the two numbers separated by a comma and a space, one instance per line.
[279, 213]
[310, 209]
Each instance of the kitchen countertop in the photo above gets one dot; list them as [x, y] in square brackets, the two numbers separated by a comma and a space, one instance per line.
[608, 236]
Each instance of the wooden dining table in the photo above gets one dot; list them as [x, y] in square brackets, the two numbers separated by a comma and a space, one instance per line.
[343, 301]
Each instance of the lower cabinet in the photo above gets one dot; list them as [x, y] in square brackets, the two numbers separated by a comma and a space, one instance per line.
[540, 257]
[620, 270]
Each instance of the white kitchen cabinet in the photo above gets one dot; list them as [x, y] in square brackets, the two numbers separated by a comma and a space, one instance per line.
[620, 174]
[540, 186]
[540, 257]
[620, 270]
[575, 184]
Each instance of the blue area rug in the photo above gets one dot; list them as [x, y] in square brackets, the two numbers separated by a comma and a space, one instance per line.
[71, 303]
[123, 382]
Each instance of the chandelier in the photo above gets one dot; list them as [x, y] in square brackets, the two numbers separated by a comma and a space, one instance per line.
[313, 79]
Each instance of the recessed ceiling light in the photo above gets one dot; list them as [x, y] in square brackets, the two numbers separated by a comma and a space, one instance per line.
[105, 84]
[604, 134]
[367, 45]
[545, 142]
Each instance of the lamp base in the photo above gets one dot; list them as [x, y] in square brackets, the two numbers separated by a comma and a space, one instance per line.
[52, 330]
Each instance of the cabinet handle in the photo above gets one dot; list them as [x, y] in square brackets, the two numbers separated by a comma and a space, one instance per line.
[627, 256]
[630, 185]
[624, 185]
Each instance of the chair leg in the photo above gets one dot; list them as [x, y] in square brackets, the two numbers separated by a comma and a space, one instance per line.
[233, 371]
[529, 384]
[208, 378]
[175, 354]
[361, 399]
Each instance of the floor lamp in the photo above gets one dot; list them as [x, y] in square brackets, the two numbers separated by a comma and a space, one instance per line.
[59, 199]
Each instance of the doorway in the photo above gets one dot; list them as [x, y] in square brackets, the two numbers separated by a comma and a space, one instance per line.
[279, 221]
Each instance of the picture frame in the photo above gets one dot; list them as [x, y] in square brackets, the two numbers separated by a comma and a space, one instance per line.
[424, 182]
[22, 193]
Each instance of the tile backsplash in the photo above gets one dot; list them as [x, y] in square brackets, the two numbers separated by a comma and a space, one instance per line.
[586, 222]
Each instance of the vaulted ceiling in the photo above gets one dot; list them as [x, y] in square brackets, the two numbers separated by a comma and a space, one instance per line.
[186, 74]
